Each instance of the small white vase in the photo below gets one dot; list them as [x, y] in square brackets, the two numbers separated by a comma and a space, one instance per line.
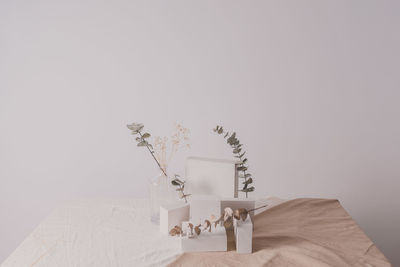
[160, 192]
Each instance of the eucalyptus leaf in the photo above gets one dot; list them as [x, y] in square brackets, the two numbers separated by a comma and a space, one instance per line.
[146, 135]
[135, 127]
[247, 190]
[142, 143]
[175, 183]
[248, 181]
[179, 181]
[242, 168]
[236, 150]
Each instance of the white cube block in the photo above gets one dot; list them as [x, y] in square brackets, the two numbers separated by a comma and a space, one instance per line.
[215, 240]
[211, 177]
[173, 214]
[238, 203]
[202, 207]
[243, 235]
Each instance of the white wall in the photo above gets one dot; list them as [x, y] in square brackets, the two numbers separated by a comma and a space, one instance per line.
[311, 87]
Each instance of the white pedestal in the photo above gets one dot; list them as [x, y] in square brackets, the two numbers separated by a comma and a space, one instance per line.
[211, 177]
[238, 203]
[206, 241]
[243, 235]
[173, 214]
[202, 207]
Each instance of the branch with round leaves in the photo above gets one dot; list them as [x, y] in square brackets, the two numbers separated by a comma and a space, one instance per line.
[142, 141]
[237, 149]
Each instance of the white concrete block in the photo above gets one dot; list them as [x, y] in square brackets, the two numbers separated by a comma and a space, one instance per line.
[211, 177]
[243, 235]
[215, 240]
[238, 203]
[202, 207]
[173, 214]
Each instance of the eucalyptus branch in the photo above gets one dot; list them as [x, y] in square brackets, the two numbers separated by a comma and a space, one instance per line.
[235, 144]
[136, 129]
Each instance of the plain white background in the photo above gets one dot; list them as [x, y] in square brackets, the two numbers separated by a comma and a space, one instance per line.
[311, 87]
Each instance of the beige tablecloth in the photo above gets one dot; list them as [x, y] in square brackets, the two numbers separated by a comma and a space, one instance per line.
[300, 232]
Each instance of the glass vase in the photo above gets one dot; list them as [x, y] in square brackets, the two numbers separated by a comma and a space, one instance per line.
[160, 192]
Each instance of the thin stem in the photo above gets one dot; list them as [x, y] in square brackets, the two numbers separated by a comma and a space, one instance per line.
[152, 154]
[184, 196]
[257, 208]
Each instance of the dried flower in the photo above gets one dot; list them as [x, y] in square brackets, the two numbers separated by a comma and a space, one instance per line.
[207, 225]
[240, 214]
[176, 231]
[226, 217]
[197, 229]
[178, 140]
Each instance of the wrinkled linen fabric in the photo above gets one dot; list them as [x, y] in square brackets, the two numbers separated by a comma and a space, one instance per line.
[302, 233]
[96, 233]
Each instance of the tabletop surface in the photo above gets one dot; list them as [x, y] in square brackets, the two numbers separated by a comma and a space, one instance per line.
[99, 232]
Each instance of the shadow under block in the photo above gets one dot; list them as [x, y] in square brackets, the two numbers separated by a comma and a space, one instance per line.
[216, 240]
[238, 203]
[202, 207]
[206, 176]
[243, 235]
[173, 214]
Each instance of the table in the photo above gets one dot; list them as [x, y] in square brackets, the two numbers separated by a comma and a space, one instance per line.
[117, 232]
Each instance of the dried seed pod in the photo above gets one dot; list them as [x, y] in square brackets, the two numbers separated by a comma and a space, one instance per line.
[207, 225]
[236, 214]
[191, 228]
[173, 232]
[178, 230]
[243, 214]
[197, 229]
[240, 214]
